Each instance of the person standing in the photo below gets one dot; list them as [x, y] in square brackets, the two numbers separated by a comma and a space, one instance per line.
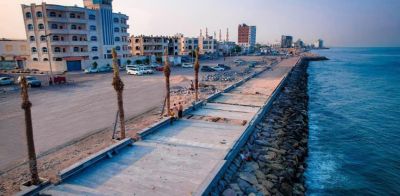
[180, 110]
[172, 116]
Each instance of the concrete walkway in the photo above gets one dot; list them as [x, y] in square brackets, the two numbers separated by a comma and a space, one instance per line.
[176, 159]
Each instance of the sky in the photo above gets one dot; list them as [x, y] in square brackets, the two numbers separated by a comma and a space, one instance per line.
[357, 23]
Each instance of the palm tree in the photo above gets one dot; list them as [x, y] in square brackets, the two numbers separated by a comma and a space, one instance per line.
[167, 73]
[196, 75]
[26, 105]
[119, 88]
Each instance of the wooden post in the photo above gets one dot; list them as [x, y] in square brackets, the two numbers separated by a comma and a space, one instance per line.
[119, 88]
[26, 106]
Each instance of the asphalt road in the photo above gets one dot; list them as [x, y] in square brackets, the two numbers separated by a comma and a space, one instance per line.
[64, 113]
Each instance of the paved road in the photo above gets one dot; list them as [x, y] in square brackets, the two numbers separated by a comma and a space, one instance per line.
[177, 159]
[64, 113]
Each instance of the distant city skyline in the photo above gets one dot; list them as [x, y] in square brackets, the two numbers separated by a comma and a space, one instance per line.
[338, 23]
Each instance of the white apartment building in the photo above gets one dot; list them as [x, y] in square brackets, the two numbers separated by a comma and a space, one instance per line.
[71, 38]
[208, 45]
[143, 45]
[188, 45]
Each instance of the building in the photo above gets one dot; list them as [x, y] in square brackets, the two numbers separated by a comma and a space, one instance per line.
[188, 45]
[247, 37]
[143, 45]
[70, 38]
[225, 48]
[208, 45]
[299, 44]
[286, 41]
[319, 43]
[13, 53]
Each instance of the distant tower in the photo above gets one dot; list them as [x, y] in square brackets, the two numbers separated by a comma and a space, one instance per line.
[201, 33]
[220, 35]
[206, 32]
[227, 34]
[215, 35]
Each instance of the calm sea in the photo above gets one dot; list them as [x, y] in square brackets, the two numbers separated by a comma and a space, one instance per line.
[354, 110]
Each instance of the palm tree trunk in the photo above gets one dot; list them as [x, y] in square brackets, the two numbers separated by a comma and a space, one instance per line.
[167, 73]
[196, 75]
[26, 105]
[119, 88]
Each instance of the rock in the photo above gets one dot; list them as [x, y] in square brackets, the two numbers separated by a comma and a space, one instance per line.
[261, 142]
[229, 192]
[276, 166]
[248, 177]
[260, 175]
[286, 189]
[298, 186]
[250, 166]
[271, 176]
[251, 189]
[235, 187]
[267, 184]
[243, 184]
[252, 194]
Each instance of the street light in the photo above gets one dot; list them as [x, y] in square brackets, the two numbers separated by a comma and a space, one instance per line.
[48, 53]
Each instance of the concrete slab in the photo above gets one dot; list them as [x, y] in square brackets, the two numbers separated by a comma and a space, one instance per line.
[239, 99]
[233, 108]
[238, 115]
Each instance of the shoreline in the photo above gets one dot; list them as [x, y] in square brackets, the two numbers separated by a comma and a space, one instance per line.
[272, 162]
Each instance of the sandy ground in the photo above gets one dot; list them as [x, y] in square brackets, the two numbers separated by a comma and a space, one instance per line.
[63, 151]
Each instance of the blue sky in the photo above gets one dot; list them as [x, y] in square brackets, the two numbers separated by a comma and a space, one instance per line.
[338, 22]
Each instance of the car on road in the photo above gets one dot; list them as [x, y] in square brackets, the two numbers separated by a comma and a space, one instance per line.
[91, 70]
[59, 79]
[104, 69]
[6, 81]
[238, 61]
[33, 81]
[217, 68]
[206, 68]
[225, 67]
[134, 71]
[146, 70]
[187, 65]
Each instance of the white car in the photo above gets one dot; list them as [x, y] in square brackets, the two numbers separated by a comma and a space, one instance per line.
[238, 61]
[187, 65]
[155, 65]
[146, 70]
[134, 71]
[218, 68]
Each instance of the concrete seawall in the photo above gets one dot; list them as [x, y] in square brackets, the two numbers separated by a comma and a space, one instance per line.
[271, 162]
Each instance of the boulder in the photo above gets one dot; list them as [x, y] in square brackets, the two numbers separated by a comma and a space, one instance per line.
[248, 177]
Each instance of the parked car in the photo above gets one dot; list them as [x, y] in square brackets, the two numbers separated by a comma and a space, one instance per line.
[59, 79]
[155, 65]
[33, 81]
[104, 69]
[206, 68]
[226, 67]
[238, 61]
[217, 68]
[6, 81]
[187, 65]
[146, 70]
[91, 70]
[160, 68]
[134, 71]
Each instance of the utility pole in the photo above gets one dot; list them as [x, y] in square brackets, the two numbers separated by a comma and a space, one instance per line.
[26, 106]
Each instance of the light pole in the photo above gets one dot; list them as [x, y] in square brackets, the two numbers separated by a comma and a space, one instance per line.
[48, 53]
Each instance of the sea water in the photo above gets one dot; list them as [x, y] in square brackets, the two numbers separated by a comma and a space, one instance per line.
[354, 121]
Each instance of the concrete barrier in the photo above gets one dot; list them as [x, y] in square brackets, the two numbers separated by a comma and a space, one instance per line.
[81, 165]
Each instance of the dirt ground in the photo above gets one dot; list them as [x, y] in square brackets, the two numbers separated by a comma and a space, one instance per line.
[49, 165]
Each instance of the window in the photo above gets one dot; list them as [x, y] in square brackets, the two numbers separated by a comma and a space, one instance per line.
[94, 49]
[73, 27]
[35, 59]
[56, 38]
[93, 38]
[54, 26]
[32, 38]
[117, 39]
[42, 38]
[116, 20]
[30, 27]
[118, 48]
[28, 15]
[41, 26]
[45, 59]
[39, 14]
[116, 29]
[44, 49]
[57, 49]
[58, 59]
[93, 28]
[76, 49]
[52, 14]
[72, 15]
[92, 17]
[95, 58]
[74, 38]
[33, 49]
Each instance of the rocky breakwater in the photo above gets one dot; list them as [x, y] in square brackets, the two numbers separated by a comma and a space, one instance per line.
[273, 160]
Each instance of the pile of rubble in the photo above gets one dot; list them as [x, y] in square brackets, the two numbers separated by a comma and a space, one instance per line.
[227, 76]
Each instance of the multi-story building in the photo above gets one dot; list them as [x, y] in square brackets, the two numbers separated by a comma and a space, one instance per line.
[208, 45]
[286, 41]
[319, 43]
[143, 45]
[188, 45]
[299, 44]
[70, 38]
[13, 53]
[247, 37]
[225, 48]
